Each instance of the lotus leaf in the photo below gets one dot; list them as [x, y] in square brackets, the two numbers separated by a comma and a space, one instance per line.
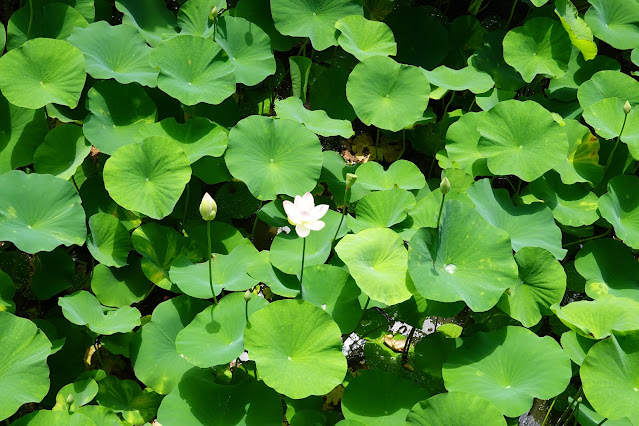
[62, 152]
[264, 153]
[328, 93]
[205, 77]
[381, 209]
[117, 52]
[521, 138]
[466, 259]
[159, 246]
[39, 212]
[216, 335]
[597, 319]
[608, 84]
[454, 409]
[607, 117]
[194, 17]
[363, 38]
[82, 308]
[609, 267]
[148, 177]
[42, 71]
[377, 260]
[615, 22]
[316, 121]
[508, 367]
[259, 12]
[490, 58]
[24, 373]
[278, 282]
[109, 241]
[7, 292]
[402, 174]
[582, 163]
[119, 287]
[467, 78]
[387, 94]
[578, 30]
[576, 346]
[314, 19]
[462, 138]
[152, 19]
[125, 396]
[80, 393]
[46, 417]
[620, 207]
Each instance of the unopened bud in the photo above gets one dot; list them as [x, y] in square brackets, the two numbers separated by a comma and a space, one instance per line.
[350, 180]
[214, 13]
[247, 295]
[208, 208]
[627, 107]
[445, 186]
[69, 399]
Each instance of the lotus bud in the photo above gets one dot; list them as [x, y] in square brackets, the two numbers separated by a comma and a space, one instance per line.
[214, 13]
[247, 295]
[69, 399]
[350, 180]
[627, 107]
[208, 208]
[445, 186]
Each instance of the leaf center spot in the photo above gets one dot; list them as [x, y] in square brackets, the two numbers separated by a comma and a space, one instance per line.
[314, 13]
[272, 160]
[41, 83]
[29, 226]
[521, 147]
[636, 389]
[324, 307]
[289, 358]
[147, 179]
[450, 268]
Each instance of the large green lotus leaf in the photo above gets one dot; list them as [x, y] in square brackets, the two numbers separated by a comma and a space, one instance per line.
[598, 318]
[101, 416]
[314, 19]
[62, 152]
[565, 87]
[522, 139]
[286, 250]
[117, 52]
[39, 212]
[21, 131]
[571, 205]
[193, 78]
[607, 117]
[401, 173]
[334, 171]
[455, 409]
[224, 238]
[43, 71]
[259, 12]
[265, 154]
[53, 272]
[117, 113]
[151, 17]
[610, 375]
[509, 367]
[380, 398]
[462, 138]
[387, 94]
[261, 269]
[228, 272]
[199, 399]
[46, 418]
[615, 21]
[194, 17]
[582, 162]
[109, 241]
[340, 299]
[7, 292]
[578, 30]
[136, 405]
[119, 287]
[297, 348]
[377, 260]
[154, 357]
[24, 373]
[540, 46]
[609, 267]
[316, 121]
[148, 177]
[3, 38]
[82, 308]
[300, 68]
[576, 346]
[216, 335]
[542, 283]
[248, 48]
[468, 259]
[381, 209]
[411, 27]
[363, 38]
[79, 393]
[620, 207]
[85, 7]
[159, 246]
[630, 133]
[328, 93]
[527, 225]
[487, 100]
[490, 58]
[54, 21]
[198, 137]
[96, 199]
[468, 78]
[608, 84]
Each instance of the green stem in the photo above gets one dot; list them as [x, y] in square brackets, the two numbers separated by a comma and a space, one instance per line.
[208, 238]
[568, 408]
[246, 312]
[75, 184]
[548, 412]
[602, 422]
[97, 351]
[452, 96]
[361, 316]
[346, 197]
[303, 47]
[403, 144]
[512, 12]
[214, 27]
[439, 220]
[302, 270]
[407, 344]
[588, 239]
[377, 146]
[574, 413]
[186, 206]
[614, 148]
[30, 18]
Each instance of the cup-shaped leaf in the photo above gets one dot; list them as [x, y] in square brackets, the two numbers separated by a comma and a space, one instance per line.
[455, 409]
[620, 207]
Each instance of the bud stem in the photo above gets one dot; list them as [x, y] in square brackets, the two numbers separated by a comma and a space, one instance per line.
[302, 271]
[208, 238]
[346, 198]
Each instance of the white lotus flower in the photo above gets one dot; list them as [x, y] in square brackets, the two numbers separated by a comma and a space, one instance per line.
[305, 215]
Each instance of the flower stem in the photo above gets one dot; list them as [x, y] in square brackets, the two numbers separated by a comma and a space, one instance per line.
[614, 148]
[377, 146]
[208, 237]
[548, 412]
[439, 220]
[346, 197]
[302, 270]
